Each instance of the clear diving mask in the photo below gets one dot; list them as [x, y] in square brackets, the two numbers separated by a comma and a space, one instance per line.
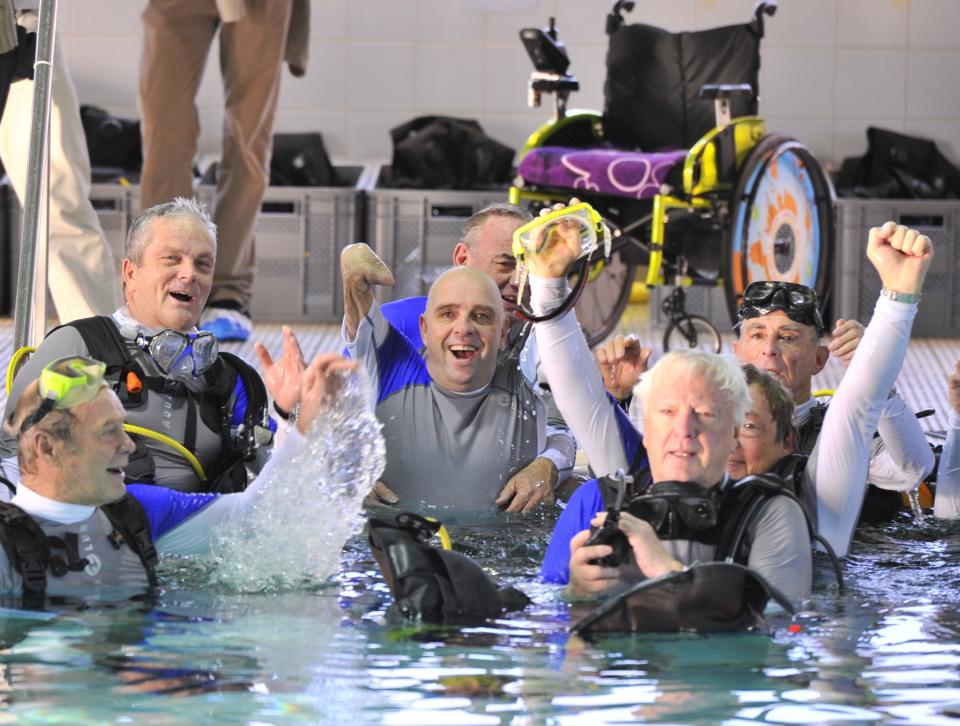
[177, 353]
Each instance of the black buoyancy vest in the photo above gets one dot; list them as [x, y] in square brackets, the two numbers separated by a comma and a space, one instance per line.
[28, 548]
[105, 343]
[809, 430]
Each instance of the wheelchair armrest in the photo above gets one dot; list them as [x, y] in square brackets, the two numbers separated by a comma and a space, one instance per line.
[553, 82]
[714, 91]
[764, 7]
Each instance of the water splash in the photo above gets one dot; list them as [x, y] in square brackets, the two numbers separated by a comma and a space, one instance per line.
[913, 496]
[294, 531]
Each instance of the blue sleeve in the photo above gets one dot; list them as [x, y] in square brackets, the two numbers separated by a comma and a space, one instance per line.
[166, 508]
[633, 448]
[404, 315]
[399, 365]
[584, 504]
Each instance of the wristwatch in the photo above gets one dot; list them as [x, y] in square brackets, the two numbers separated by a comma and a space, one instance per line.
[904, 297]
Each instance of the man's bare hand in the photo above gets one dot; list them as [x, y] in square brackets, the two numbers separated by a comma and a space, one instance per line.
[530, 487]
[360, 270]
[902, 257]
[652, 559]
[587, 579]
[558, 246]
[322, 381]
[622, 361]
[381, 494]
[846, 338]
[953, 388]
[283, 376]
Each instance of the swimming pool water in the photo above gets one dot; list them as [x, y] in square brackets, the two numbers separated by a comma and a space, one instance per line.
[885, 651]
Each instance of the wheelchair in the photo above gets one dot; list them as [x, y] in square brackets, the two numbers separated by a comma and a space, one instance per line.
[700, 195]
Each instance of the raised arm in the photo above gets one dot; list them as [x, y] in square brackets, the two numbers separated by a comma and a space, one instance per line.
[360, 269]
[947, 502]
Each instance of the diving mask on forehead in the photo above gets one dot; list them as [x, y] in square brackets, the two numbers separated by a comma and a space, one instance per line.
[554, 227]
[175, 352]
[799, 302]
[65, 383]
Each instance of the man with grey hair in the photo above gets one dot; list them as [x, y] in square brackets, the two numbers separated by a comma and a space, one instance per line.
[688, 422]
[199, 416]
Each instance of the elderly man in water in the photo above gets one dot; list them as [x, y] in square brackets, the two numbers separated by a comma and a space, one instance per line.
[463, 430]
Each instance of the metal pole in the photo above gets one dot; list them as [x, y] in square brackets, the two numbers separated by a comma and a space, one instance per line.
[30, 311]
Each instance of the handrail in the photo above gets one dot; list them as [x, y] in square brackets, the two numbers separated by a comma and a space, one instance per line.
[30, 310]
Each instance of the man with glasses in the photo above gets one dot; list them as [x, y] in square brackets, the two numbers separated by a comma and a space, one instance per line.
[201, 415]
[73, 528]
[687, 446]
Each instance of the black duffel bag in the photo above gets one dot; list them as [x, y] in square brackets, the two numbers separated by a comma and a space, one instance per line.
[114, 143]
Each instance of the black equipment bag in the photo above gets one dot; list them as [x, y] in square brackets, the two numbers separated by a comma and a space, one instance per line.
[708, 598]
[435, 586]
[300, 160]
[113, 143]
[439, 152]
[654, 78]
[898, 166]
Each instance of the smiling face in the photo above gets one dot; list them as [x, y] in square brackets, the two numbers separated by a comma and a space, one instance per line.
[757, 450]
[488, 248]
[170, 288]
[688, 430]
[786, 349]
[462, 328]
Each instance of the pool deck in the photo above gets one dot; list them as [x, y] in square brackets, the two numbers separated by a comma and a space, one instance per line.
[922, 382]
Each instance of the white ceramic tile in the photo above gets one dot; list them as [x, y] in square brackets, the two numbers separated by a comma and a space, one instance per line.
[672, 15]
[394, 21]
[795, 82]
[447, 21]
[503, 28]
[933, 89]
[368, 135]
[509, 129]
[872, 23]
[100, 17]
[506, 71]
[945, 133]
[814, 133]
[380, 77]
[580, 21]
[324, 85]
[934, 24]
[714, 13]
[105, 83]
[211, 134]
[871, 83]
[449, 79]
[333, 127]
[328, 20]
[802, 24]
[588, 64]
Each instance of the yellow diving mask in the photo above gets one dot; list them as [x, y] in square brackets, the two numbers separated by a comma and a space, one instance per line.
[537, 234]
[65, 383]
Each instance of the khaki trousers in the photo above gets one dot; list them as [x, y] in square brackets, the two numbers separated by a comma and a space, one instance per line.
[177, 38]
[83, 276]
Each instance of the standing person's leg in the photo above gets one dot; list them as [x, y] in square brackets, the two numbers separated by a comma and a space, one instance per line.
[176, 39]
[251, 58]
[82, 270]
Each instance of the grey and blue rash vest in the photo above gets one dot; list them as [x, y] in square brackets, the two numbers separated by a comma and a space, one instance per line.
[447, 449]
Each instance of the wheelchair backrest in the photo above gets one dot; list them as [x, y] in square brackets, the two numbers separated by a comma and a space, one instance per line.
[654, 78]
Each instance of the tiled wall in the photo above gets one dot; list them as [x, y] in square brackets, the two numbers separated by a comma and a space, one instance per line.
[830, 67]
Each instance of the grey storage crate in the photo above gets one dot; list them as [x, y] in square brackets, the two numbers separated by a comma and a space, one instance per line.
[856, 282]
[414, 231]
[710, 302]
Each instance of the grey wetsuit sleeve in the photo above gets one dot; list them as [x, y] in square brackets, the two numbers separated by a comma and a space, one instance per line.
[575, 380]
[192, 536]
[905, 458]
[837, 472]
[946, 504]
[61, 343]
[371, 333]
[781, 550]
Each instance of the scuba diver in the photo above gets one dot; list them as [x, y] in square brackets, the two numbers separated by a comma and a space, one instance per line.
[484, 244]
[686, 449]
[200, 414]
[74, 529]
[946, 504]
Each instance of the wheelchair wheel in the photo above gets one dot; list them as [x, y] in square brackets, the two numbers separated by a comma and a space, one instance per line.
[604, 298]
[691, 332]
[783, 221]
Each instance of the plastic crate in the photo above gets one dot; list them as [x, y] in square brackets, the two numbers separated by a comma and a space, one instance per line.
[414, 231]
[710, 302]
[856, 282]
